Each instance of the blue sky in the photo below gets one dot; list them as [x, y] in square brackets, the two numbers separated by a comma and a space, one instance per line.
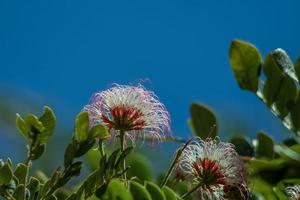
[62, 51]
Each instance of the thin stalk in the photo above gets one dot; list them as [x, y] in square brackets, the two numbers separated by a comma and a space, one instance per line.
[175, 160]
[101, 148]
[122, 148]
[191, 191]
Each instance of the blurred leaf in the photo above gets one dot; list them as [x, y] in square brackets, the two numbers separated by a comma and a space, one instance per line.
[140, 167]
[139, 192]
[48, 120]
[6, 174]
[257, 165]
[99, 131]
[265, 146]
[289, 153]
[246, 62]
[155, 191]
[93, 157]
[169, 193]
[82, 127]
[203, 121]
[263, 189]
[117, 191]
[242, 146]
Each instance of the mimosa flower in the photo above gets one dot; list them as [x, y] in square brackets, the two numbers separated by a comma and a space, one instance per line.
[131, 109]
[214, 166]
[293, 192]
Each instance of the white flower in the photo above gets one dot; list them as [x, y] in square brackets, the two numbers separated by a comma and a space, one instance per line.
[293, 192]
[131, 109]
[214, 165]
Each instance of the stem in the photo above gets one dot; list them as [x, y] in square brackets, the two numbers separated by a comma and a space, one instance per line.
[100, 148]
[179, 153]
[191, 191]
[122, 143]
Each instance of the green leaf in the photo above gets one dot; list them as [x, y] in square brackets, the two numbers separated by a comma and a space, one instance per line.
[82, 127]
[117, 191]
[203, 121]
[20, 173]
[169, 193]
[19, 193]
[286, 96]
[262, 188]
[291, 154]
[246, 62]
[99, 131]
[242, 146]
[274, 78]
[123, 155]
[48, 120]
[139, 192]
[297, 68]
[139, 167]
[36, 125]
[70, 154]
[285, 63]
[155, 191]
[265, 146]
[295, 113]
[22, 126]
[33, 187]
[6, 174]
[257, 165]
[37, 151]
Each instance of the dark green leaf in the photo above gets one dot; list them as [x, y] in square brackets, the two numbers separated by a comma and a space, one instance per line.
[123, 156]
[274, 78]
[6, 174]
[242, 146]
[265, 146]
[246, 62]
[82, 127]
[203, 121]
[295, 113]
[155, 191]
[37, 151]
[286, 96]
[297, 68]
[84, 147]
[20, 173]
[70, 154]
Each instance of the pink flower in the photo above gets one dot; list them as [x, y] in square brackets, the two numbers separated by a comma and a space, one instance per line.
[214, 165]
[131, 109]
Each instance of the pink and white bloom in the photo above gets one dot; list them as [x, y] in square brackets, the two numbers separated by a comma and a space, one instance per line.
[131, 109]
[214, 165]
[293, 192]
